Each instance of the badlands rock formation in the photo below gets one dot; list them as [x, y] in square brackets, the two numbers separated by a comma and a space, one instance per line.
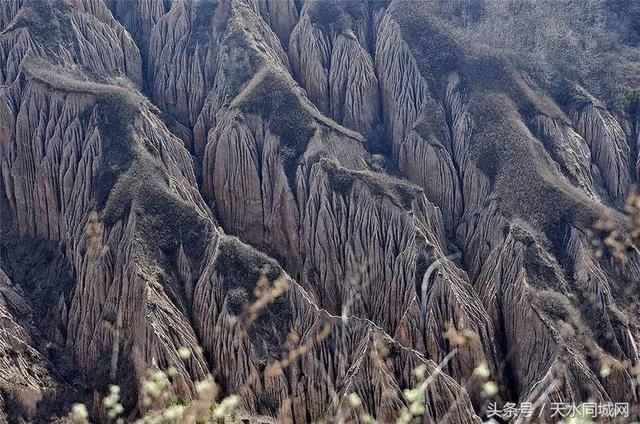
[412, 198]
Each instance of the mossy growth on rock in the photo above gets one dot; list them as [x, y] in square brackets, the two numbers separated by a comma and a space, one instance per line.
[125, 189]
[241, 266]
[164, 223]
[337, 15]
[244, 59]
[201, 29]
[130, 180]
[556, 306]
[542, 269]
[501, 101]
[631, 103]
[48, 23]
[560, 299]
[116, 113]
[341, 179]
[523, 173]
[273, 96]
[438, 54]
[433, 124]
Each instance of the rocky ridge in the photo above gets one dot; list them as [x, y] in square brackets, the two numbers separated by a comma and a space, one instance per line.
[159, 156]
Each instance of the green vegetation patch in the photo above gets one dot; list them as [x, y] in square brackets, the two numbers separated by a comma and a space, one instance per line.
[49, 23]
[126, 187]
[560, 301]
[502, 100]
[593, 42]
[433, 125]
[341, 179]
[524, 177]
[272, 95]
[632, 103]
[116, 113]
[241, 267]
[435, 51]
[201, 29]
[555, 305]
[438, 54]
[337, 15]
[165, 222]
[240, 70]
[130, 179]
[542, 269]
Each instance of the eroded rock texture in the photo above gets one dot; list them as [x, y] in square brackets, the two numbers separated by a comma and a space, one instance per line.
[425, 202]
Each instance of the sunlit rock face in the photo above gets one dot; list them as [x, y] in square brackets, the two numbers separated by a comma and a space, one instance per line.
[413, 192]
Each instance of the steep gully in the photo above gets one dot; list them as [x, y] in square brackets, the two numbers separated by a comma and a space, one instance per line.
[288, 171]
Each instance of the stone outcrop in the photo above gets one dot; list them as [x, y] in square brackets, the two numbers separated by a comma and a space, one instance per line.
[26, 379]
[410, 198]
[329, 51]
